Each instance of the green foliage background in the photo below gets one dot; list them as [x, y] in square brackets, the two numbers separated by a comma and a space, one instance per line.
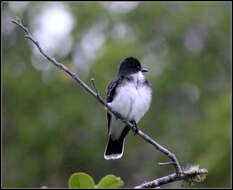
[52, 128]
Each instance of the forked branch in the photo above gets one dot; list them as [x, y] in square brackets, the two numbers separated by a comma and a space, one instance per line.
[179, 174]
[190, 175]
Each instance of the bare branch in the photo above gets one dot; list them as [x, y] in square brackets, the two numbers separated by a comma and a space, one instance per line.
[189, 175]
[96, 94]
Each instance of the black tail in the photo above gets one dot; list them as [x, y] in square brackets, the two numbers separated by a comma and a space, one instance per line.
[115, 148]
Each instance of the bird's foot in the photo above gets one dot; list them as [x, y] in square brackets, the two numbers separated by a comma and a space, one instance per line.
[135, 127]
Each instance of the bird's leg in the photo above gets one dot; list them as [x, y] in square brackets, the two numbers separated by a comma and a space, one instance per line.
[135, 127]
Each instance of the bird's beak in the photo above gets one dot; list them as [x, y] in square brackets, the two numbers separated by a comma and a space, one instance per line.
[144, 70]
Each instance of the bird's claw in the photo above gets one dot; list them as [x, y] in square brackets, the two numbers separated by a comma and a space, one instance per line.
[135, 127]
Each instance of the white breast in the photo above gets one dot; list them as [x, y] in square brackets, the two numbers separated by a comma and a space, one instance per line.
[133, 99]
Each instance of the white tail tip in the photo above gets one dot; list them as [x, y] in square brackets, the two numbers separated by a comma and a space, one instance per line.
[113, 156]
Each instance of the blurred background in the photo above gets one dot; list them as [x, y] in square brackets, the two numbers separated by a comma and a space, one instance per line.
[52, 128]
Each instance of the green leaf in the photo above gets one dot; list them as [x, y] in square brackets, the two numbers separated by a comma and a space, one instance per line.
[81, 180]
[110, 181]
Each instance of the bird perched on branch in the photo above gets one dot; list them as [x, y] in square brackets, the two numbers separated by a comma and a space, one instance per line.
[129, 95]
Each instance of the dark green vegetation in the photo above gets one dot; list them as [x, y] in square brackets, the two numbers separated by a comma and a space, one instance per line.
[52, 128]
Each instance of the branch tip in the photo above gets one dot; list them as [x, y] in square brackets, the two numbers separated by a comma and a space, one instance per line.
[166, 163]
[94, 86]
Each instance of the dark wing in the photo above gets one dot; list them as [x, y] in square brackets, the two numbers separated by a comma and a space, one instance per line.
[110, 94]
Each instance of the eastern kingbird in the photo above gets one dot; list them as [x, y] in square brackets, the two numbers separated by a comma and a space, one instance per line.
[129, 95]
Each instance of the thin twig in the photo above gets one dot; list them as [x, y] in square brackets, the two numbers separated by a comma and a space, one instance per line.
[96, 94]
[166, 163]
[95, 87]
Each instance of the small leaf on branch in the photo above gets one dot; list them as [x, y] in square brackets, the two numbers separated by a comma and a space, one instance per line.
[110, 181]
[81, 180]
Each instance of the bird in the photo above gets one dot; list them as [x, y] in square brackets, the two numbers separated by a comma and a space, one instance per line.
[129, 94]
